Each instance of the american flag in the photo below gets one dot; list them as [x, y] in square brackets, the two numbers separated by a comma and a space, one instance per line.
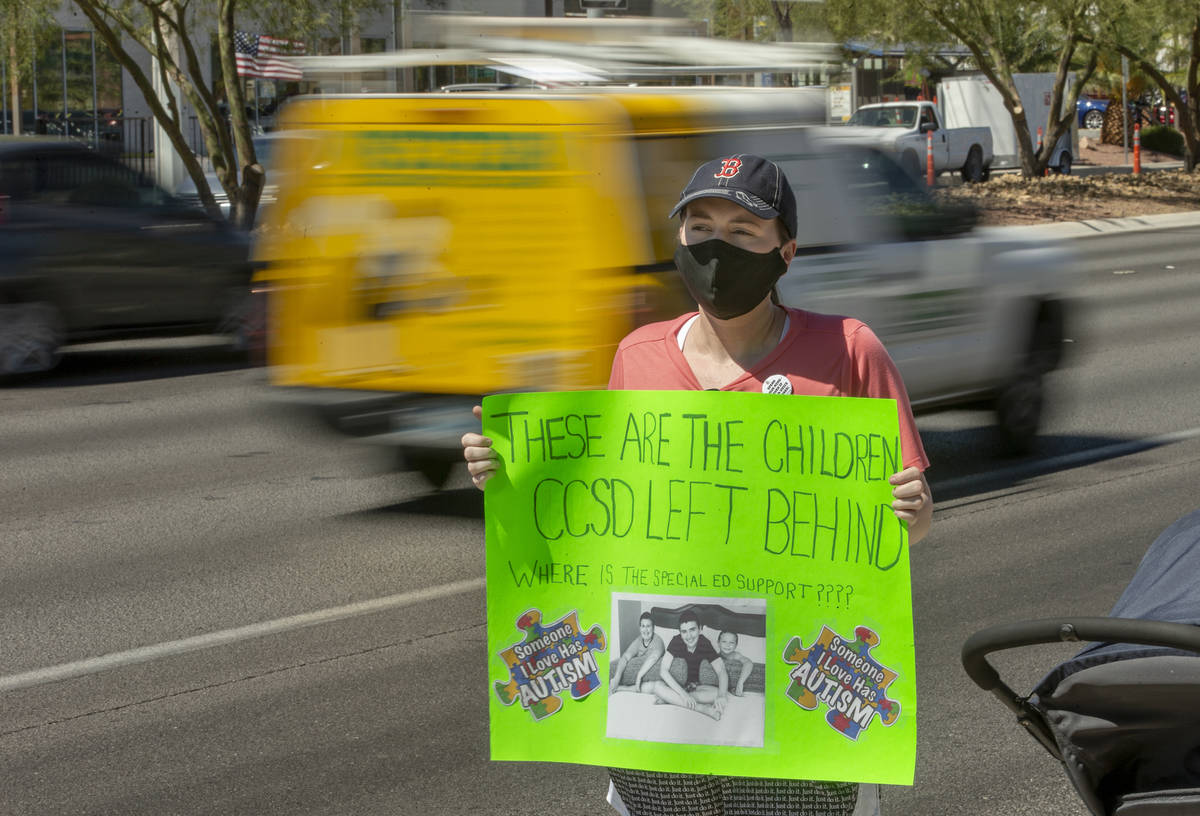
[261, 56]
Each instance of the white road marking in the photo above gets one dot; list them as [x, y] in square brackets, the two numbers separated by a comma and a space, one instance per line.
[144, 654]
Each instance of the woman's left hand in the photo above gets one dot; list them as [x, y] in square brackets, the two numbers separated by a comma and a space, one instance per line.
[912, 502]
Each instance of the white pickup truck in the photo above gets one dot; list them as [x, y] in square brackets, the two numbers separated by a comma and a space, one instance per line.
[900, 130]
[971, 315]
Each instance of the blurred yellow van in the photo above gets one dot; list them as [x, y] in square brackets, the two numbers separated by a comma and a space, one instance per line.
[425, 250]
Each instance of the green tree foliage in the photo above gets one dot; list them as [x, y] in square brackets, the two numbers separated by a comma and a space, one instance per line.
[1161, 38]
[759, 20]
[21, 21]
[1003, 36]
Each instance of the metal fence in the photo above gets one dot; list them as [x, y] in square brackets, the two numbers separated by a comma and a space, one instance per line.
[127, 138]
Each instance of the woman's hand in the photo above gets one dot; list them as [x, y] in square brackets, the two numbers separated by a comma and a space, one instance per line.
[912, 502]
[482, 461]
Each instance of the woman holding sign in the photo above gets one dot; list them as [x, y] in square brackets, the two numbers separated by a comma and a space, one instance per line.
[737, 236]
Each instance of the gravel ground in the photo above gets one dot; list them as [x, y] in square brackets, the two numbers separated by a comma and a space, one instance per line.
[1010, 199]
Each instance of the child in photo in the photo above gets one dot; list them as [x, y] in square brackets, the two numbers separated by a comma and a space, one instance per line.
[727, 646]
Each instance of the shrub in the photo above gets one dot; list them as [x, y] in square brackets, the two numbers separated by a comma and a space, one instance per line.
[1163, 138]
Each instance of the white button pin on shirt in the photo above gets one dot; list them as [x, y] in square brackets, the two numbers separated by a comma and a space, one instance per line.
[777, 384]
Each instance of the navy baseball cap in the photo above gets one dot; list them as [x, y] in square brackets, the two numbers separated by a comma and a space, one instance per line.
[755, 183]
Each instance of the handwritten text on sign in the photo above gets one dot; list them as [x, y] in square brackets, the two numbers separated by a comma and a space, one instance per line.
[794, 522]
[769, 514]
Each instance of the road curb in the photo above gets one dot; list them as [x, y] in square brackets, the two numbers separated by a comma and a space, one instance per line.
[1107, 244]
[1109, 226]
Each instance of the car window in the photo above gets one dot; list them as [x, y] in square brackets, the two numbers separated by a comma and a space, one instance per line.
[92, 181]
[872, 176]
[885, 116]
[882, 188]
[290, 148]
[16, 178]
[262, 150]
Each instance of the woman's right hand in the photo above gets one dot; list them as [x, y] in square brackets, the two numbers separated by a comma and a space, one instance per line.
[481, 458]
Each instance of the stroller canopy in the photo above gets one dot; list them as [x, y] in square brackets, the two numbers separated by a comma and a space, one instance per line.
[1127, 717]
[1166, 587]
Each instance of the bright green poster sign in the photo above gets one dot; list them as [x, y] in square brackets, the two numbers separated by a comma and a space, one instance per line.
[699, 581]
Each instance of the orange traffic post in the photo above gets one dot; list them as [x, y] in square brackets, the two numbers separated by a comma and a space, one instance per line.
[929, 159]
[1137, 148]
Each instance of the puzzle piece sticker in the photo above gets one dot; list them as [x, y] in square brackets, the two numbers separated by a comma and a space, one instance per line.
[551, 660]
[844, 676]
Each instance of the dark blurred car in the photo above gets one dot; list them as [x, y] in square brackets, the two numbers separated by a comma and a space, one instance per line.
[93, 250]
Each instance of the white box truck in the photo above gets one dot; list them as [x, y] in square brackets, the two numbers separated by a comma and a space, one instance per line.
[973, 101]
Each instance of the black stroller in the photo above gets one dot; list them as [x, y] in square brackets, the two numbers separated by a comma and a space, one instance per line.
[1123, 715]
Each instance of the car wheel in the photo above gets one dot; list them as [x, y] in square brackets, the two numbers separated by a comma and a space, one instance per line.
[31, 337]
[911, 166]
[972, 169]
[244, 323]
[1064, 165]
[1093, 119]
[1019, 413]
[1019, 406]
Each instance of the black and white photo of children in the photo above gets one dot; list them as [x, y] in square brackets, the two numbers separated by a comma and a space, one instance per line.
[688, 670]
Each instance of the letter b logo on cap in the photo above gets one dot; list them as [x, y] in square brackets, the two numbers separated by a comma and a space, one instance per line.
[729, 168]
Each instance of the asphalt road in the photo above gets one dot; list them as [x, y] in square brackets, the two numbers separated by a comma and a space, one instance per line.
[295, 630]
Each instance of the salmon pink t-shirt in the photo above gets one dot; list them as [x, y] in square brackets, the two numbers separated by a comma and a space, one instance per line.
[819, 355]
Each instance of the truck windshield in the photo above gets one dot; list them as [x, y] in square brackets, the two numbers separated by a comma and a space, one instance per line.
[899, 116]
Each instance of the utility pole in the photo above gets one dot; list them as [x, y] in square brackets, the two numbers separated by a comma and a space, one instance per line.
[1125, 107]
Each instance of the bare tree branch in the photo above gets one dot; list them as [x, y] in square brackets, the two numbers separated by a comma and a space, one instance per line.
[112, 39]
[244, 205]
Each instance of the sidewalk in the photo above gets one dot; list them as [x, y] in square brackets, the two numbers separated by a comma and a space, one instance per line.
[1147, 167]
[1096, 157]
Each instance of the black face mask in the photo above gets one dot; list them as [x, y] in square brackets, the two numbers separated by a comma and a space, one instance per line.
[726, 280]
